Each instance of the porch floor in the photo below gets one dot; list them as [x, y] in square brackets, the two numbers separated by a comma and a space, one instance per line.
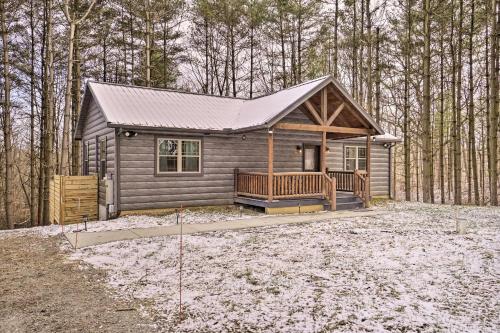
[345, 201]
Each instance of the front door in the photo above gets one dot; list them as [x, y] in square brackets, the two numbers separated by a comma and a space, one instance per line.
[311, 158]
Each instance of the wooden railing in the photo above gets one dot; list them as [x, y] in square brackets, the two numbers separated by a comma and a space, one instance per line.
[345, 180]
[360, 180]
[286, 185]
[297, 184]
[331, 191]
[251, 184]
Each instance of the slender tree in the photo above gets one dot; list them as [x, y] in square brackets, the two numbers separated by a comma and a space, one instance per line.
[471, 117]
[494, 21]
[458, 111]
[7, 119]
[427, 187]
[406, 114]
[73, 21]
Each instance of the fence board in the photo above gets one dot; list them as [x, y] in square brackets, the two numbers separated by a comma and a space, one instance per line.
[71, 197]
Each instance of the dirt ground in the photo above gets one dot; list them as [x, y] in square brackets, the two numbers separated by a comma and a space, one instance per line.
[41, 291]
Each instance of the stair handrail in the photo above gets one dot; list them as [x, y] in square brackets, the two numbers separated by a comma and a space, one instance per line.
[330, 190]
[360, 185]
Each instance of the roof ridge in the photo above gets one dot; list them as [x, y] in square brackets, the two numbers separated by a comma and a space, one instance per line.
[288, 88]
[164, 89]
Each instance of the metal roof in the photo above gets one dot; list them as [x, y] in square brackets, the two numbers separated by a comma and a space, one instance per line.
[135, 106]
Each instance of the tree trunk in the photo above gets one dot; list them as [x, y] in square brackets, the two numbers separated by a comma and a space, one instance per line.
[472, 125]
[406, 115]
[65, 167]
[426, 109]
[7, 121]
[148, 43]
[336, 41]
[361, 71]
[76, 105]
[282, 40]
[369, 59]
[458, 111]
[441, 118]
[33, 221]
[233, 60]
[494, 99]
[378, 76]
[354, 83]
[206, 55]
[251, 59]
[50, 116]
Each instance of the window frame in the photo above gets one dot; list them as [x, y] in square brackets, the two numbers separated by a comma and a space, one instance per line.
[356, 158]
[180, 140]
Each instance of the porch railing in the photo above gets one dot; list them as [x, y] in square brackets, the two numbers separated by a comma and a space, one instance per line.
[286, 185]
[360, 178]
[345, 180]
[297, 184]
[251, 184]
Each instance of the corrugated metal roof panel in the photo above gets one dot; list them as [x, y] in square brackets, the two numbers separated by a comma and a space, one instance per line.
[150, 107]
[164, 108]
[261, 110]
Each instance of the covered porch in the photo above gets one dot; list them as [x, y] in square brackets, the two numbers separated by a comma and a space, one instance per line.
[334, 116]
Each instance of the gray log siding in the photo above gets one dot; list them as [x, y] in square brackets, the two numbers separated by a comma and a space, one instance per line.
[140, 188]
[95, 128]
[380, 172]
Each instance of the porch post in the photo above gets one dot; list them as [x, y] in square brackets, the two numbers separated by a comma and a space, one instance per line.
[324, 116]
[270, 160]
[323, 152]
[368, 170]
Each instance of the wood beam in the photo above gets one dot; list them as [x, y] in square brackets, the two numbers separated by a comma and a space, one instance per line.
[353, 112]
[324, 105]
[270, 162]
[322, 128]
[335, 114]
[310, 107]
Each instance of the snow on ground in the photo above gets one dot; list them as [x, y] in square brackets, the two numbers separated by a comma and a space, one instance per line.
[142, 221]
[406, 270]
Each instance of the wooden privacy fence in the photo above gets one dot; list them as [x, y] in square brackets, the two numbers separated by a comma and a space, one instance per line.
[71, 198]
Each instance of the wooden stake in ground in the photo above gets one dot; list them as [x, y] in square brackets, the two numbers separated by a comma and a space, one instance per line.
[180, 268]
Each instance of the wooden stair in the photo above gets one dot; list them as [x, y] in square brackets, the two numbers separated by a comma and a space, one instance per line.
[346, 201]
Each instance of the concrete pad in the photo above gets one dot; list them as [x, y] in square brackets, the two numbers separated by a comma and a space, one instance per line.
[84, 239]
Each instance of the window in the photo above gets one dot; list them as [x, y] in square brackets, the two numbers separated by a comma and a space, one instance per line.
[178, 156]
[102, 158]
[86, 153]
[355, 158]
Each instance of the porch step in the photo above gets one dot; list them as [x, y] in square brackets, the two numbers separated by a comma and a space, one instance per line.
[347, 201]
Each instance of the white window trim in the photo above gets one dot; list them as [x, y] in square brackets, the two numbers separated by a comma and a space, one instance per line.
[356, 158]
[179, 157]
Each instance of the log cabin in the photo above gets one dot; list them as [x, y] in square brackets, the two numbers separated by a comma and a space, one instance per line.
[305, 148]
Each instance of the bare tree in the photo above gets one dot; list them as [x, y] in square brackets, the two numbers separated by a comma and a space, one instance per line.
[73, 21]
[7, 118]
[426, 109]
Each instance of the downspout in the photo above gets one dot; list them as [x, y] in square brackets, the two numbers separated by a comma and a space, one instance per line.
[389, 146]
[118, 132]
